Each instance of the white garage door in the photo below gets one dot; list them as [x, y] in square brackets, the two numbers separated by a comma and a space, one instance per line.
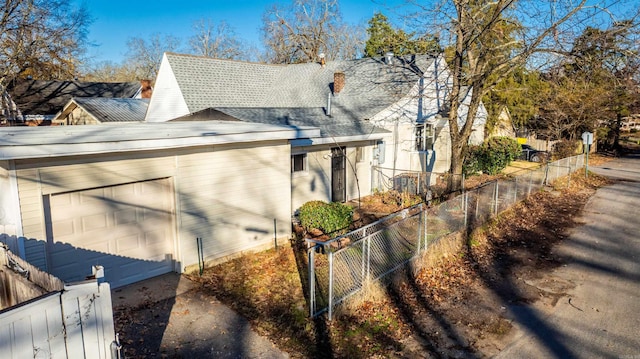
[127, 229]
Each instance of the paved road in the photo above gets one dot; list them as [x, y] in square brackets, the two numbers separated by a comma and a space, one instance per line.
[599, 314]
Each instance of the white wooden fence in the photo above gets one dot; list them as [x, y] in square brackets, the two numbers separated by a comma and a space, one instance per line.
[76, 322]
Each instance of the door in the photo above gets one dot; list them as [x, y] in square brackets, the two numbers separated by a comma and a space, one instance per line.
[127, 229]
[338, 175]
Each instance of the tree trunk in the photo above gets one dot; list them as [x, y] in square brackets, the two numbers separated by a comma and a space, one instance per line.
[455, 183]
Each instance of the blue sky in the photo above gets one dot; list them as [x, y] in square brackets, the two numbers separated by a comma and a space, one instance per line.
[115, 21]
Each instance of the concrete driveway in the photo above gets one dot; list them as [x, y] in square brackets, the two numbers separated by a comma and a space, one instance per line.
[168, 317]
[600, 315]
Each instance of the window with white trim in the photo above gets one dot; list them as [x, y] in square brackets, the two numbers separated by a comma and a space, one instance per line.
[424, 137]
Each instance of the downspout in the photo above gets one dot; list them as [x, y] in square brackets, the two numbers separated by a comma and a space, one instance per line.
[395, 147]
[15, 200]
[437, 82]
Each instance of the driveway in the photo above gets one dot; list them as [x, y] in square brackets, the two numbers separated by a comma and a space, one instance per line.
[600, 315]
[167, 317]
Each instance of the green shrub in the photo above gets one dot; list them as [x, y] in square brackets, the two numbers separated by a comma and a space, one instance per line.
[492, 156]
[308, 214]
[471, 162]
[328, 217]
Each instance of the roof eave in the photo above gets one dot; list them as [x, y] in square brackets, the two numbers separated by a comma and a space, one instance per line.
[51, 150]
[337, 140]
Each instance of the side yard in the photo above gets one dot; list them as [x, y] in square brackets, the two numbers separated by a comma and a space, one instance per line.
[454, 306]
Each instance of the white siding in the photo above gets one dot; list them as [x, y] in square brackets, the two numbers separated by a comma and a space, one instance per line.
[8, 207]
[230, 196]
[402, 117]
[315, 183]
[359, 182]
[167, 101]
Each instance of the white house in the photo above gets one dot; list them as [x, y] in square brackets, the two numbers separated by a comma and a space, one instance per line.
[383, 112]
[227, 153]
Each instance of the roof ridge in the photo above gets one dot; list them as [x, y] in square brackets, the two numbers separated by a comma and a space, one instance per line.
[208, 58]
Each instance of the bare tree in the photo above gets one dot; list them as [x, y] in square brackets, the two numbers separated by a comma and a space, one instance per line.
[144, 56]
[348, 42]
[306, 29]
[485, 47]
[41, 38]
[108, 71]
[216, 40]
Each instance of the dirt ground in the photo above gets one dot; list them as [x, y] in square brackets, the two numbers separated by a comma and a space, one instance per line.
[456, 306]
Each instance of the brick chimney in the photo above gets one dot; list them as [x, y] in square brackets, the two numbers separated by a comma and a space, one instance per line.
[146, 88]
[338, 82]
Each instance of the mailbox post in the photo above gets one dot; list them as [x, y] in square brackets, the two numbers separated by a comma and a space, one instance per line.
[587, 141]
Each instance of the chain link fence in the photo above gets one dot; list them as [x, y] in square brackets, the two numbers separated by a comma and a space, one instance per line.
[426, 184]
[340, 267]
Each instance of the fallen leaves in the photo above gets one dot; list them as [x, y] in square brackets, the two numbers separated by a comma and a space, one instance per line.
[456, 306]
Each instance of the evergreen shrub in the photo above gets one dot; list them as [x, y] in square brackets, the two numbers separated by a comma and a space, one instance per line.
[328, 217]
[492, 156]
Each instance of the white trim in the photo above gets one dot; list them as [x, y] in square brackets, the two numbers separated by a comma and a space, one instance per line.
[179, 263]
[46, 142]
[305, 170]
[317, 140]
[15, 200]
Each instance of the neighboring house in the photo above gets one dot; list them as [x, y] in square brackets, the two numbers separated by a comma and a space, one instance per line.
[630, 123]
[36, 102]
[138, 198]
[383, 112]
[101, 110]
[504, 125]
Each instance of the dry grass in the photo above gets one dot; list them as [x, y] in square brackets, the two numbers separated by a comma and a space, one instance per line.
[445, 306]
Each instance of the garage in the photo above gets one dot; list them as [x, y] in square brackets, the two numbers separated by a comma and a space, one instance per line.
[126, 228]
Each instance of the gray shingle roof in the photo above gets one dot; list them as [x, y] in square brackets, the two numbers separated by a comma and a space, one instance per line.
[339, 124]
[114, 109]
[371, 85]
[38, 97]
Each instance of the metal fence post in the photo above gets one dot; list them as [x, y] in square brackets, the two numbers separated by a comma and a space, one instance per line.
[475, 217]
[546, 175]
[466, 210]
[425, 229]
[330, 283]
[419, 232]
[495, 199]
[369, 259]
[364, 261]
[312, 282]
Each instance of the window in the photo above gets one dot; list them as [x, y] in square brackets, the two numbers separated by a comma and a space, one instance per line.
[299, 163]
[359, 154]
[424, 137]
